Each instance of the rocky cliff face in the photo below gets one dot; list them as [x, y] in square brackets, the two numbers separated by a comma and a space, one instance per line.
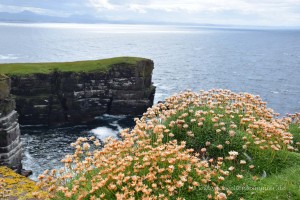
[72, 97]
[10, 145]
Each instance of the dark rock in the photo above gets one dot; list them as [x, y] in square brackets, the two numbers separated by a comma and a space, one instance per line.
[26, 173]
[10, 144]
[63, 98]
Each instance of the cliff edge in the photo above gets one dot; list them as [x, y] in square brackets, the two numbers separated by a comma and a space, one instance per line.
[76, 92]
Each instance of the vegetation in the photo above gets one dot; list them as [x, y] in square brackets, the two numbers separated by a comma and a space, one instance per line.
[79, 66]
[206, 145]
[15, 186]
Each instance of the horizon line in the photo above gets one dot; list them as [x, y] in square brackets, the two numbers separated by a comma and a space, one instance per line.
[204, 25]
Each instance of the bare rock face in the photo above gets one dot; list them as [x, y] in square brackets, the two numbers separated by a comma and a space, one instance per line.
[71, 97]
[10, 144]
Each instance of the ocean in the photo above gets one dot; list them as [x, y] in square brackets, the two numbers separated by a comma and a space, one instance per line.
[263, 62]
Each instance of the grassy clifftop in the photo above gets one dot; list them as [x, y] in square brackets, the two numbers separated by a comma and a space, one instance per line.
[78, 66]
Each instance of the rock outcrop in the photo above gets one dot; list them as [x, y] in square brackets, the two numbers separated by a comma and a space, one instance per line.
[62, 98]
[10, 144]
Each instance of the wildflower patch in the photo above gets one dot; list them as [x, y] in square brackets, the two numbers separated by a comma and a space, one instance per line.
[217, 140]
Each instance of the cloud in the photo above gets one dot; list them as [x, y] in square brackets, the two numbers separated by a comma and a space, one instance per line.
[102, 4]
[196, 5]
[265, 12]
[37, 10]
[236, 12]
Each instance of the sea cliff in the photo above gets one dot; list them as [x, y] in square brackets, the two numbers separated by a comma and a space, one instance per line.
[77, 92]
[10, 144]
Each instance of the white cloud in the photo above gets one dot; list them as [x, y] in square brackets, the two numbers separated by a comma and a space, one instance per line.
[190, 6]
[41, 11]
[266, 12]
[239, 12]
[102, 4]
[197, 5]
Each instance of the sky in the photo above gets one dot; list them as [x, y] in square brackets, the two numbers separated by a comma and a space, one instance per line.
[226, 12]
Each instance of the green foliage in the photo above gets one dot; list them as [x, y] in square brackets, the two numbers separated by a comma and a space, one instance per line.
[295, 130]
[231, 147]
[269, 165]
[281, 186]
[281, 168]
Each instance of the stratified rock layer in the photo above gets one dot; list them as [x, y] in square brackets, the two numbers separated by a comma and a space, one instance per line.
[10, 145]
[75, 97]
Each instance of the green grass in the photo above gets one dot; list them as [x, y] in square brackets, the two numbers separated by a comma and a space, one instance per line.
[282, 180]
[283, 186]
[295, 130]
[282, 169]
[78, 66]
